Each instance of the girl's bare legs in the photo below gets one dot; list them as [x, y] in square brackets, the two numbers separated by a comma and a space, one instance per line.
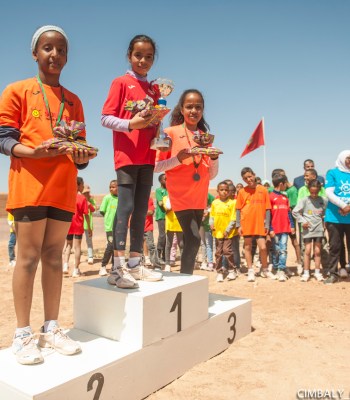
[248, 251]
[317, 255]
[67, 250]
[261, 242]
[307, 256]
[30, 237]
[77, 252]
[51, 277]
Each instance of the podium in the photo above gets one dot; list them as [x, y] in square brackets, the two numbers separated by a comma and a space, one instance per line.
[133, 341]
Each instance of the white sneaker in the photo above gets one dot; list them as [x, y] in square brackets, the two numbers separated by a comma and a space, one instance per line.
[26, 350]
[148, 261]
[270, 267]
[58, 340]
[167, 268]
[304, 277]
[251, 276]
[76, 273]
[281, 276]
[319, 276]
[90, 260]
[267, 274]
[12, 263]
[204, 266]
[141, 273]
[211, 267]
[65, 268]
[220, 277]
[103, 271]
[343, 273]
[122, 279]
[300, 269]
[232, 275]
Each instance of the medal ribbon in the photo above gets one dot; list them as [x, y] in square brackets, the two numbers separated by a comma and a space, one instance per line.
[47, 105]
[196, 165]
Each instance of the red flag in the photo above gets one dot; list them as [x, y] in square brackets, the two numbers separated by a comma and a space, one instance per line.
[256, 139]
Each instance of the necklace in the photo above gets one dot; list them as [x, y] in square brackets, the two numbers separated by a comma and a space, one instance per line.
[47, 105]
[196, 176]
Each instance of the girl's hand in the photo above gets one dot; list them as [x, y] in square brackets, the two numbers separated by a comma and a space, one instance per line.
[305, 225]
[81, 156]
[344, 211]
[183, 154]
[42, 151]
[140, 120]
[272, 234]
[240, 231]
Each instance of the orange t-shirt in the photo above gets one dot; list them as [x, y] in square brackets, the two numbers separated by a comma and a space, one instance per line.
[185, 193]
[253, 204]
[45, 181]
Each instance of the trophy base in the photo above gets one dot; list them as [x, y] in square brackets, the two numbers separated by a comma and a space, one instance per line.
[159, 143]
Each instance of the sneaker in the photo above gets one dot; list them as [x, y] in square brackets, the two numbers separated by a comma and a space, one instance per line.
[211, 267]
[90, 260]
[148, 261]
[65, 268]
[204, 267]
[167, 268]
[289, 272]
[267, 274]
[232, 275]
[141, 273]
[220, 277]
[281, 276]
[270, 267]
[300, 269]
[330, 280]
[58, 340]
[76, 273]
[103, 271]
[347, 267]
[304, 278]
[251, 276]
[343, 273]
[319, 277]
[12, 263]
[122, 279]
[26, 350]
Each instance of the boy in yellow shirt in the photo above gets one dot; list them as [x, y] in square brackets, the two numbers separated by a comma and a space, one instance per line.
[222, 222]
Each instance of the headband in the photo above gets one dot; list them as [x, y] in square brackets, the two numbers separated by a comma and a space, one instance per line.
[47, 28]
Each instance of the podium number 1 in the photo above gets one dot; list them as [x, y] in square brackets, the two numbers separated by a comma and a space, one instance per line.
[177, 303]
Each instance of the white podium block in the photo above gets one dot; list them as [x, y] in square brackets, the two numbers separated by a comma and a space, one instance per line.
[141, 316]
[108, 369]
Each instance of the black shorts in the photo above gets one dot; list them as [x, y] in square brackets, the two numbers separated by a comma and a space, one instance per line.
[37, 213]
[73, 235]
[131, 174]
[254, 237]
[314, 239]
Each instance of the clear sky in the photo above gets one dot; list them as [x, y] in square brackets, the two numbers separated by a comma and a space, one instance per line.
[286, 61]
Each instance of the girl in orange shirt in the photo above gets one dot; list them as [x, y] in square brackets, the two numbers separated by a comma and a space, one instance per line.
[187, 175]
[42, 187]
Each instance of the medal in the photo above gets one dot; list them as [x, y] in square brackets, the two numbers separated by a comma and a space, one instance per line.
[196, 177]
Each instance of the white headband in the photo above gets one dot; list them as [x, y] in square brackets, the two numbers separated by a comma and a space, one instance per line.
[47, 28]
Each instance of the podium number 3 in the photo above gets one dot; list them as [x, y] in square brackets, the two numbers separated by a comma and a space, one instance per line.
[100, 380]
[232, 317]
[177, 303]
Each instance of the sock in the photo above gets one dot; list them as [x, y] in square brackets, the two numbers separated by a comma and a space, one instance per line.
[306, 272]
[251, 269]
[118, 262]
[50, 325]
[317, 272]
[25, 331]
[134, 262]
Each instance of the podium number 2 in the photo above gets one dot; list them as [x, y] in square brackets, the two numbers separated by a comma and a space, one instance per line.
[177, 303]
[100, 380]
[232, 317]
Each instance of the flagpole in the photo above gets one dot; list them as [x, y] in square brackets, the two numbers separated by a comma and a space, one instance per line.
[265, 169]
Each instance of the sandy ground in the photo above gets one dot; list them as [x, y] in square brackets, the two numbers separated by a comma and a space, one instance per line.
[299, 341]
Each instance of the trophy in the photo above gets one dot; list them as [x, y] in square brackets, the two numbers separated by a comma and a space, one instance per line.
[165, 86]
[205, 146]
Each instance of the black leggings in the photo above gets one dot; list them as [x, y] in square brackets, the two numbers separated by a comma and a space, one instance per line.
[336, 234]
[134, 189]
[190, 222]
